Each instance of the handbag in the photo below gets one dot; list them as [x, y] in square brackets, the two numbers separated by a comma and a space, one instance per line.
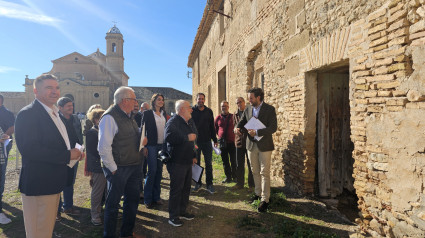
[163, 156]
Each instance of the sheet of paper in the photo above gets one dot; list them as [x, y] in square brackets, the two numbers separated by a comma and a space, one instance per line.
[73, 162]
[217, 151]
[197, 172]
[255, 124]
[142, 137]
[6, 142]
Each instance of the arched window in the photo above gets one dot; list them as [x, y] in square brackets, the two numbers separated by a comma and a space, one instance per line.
[114, 47]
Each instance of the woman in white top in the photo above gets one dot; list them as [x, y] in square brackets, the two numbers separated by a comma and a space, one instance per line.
[154, 122]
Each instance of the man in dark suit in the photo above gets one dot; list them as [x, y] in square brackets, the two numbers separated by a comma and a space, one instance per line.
[259, 151]
[43, 141]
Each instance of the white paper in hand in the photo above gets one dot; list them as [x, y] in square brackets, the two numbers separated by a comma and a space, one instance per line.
[142, 138]
[217, 151]
[73, 162]
[255, 124]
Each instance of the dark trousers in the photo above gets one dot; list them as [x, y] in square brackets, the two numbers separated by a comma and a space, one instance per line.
[125, 182]
[228, 156]
[68, 192]
[241, 153]
[206, 149]
[180, 181]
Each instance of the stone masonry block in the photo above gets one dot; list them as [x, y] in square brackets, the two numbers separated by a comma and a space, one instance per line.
[389, 53]
[362, 87]
[377, 28]
[400, 32]
[381, 70]
[370, 94]
[374, 109]
[385, 93]
[360, 81]
[379, 41]
[398, 41]
[418, 26]
[417, 35]
[398, 24]
[393, 84]
[395, 108]
[376, 100]
[359, 67]
[397, 102]
[399, 93]
[396, 8]
[386, 61]
[400, 58]
[397, 15]
[361, 73]
[393, 3]
[377, 78]
[377, 14]
[377, 35]
[396, 67]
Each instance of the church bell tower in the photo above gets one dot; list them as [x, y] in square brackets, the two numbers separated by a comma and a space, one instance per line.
[115, 57]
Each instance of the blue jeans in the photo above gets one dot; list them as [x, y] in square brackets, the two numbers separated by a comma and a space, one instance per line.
[125, 182]
[3, 175]
[68, 193]
[152, 190]
[206, 149]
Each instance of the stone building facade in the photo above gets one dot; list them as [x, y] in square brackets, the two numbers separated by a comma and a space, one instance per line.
[93, 79]
[347, 81]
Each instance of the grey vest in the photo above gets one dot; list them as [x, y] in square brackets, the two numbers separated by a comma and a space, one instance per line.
[125, 146]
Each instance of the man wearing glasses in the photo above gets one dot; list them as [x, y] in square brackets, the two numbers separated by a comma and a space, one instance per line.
[119, 139]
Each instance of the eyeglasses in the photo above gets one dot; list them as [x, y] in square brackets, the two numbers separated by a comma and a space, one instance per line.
[132, 99]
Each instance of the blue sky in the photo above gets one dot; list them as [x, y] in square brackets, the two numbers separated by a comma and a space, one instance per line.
[158, 37]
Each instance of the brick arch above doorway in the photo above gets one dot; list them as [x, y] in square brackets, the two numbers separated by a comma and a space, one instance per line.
[330, 49]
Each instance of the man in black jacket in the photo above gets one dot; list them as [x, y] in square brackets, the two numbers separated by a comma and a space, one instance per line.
[180, 136]
[204, 121]
[75, 134]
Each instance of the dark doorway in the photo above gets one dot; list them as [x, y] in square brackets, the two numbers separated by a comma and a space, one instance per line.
[334, 146]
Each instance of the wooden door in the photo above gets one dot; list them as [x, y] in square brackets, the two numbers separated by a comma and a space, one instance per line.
[335, 162]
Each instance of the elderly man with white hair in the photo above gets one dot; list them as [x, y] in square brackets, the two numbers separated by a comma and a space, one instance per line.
[180, 136]
[119, 139]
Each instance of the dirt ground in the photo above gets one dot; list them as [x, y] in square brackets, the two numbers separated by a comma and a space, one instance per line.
[223, 214]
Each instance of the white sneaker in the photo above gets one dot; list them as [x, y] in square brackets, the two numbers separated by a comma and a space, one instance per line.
[4, 219]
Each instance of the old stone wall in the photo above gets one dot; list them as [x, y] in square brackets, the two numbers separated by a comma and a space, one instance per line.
[381, 44]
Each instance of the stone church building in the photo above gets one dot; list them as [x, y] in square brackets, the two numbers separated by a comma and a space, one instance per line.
[347, 79]
[93, 79]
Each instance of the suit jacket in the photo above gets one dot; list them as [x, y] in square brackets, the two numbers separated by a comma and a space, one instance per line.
[44, 152]
[267, 116]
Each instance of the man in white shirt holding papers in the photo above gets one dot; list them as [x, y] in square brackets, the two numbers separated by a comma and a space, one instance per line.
[260, 142]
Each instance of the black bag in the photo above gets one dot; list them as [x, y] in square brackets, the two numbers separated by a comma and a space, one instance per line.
[163, 156]
[222, 143]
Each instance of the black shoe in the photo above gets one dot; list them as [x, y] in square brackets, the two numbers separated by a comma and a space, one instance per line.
[227, 180]
[253, 198]
[187, 216]
[263, 206]
[175, 222]
[149, 205]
